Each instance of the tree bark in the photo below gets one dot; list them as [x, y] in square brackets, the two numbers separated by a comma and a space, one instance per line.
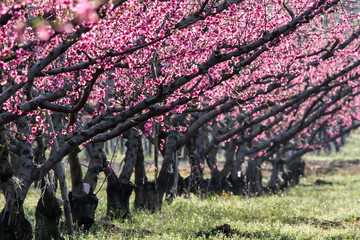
[166, 170]
[275, 185]
[97, 160]
[76, 175]
[145, 192]
[237, 176]
[6, 171]
[60, 171]
[84, 204]
[119, 189]
[254, 178]
[195, 180]
[13, 224]
[48, 211]
[118, 196]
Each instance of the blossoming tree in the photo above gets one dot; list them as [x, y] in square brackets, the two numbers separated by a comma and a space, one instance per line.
[258, 78]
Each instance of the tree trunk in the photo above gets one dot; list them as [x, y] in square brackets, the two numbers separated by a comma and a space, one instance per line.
[229, 169]
[274, 184]
[216, 181]
[145, 192]
[83, 209]
[13, 224]
[119, 189]
[195, 180]
[254, 178]
[296, 170]
[56, 126]
[165, 172]
[84, 204]
[76, 175]
[172, 185]
[6, 171]
[97, 159]
[237, 177]
[146, 197]
[216, 176]
[118, 196]
[48, 212]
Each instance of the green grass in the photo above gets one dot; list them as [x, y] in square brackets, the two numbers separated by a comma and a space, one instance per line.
[304, 212]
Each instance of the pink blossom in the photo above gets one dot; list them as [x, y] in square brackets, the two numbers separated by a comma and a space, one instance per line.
[43, 32]
[85, 11]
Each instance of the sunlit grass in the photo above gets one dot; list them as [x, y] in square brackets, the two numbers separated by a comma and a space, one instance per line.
[304, 212]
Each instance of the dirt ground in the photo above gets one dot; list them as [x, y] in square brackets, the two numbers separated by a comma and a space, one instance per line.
[339, 167]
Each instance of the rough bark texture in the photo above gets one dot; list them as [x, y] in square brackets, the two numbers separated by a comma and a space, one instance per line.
[48, 213]
[83, 210]
[146, 197]
[76, 175]
[83, 205]
[275, 183]
[216, 176]
[145, 192]
[56, 127]
[237, 177]
[97, 159]
[118, 196]
[13, 224]
[295, 170]
[229, 170]
[254, 178]
[140, 177]
[130, 156]
[194, 181]
[216, 181]
[172, 185]
[14, 228]
[6, 171]
[166, 170]
[119, 189]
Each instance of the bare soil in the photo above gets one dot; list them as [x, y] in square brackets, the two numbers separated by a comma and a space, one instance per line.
[339, 167]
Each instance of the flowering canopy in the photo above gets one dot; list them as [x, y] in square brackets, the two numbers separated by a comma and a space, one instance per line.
[112, 65]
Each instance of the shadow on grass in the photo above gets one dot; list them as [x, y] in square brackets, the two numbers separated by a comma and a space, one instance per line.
[324, 224]
[229, 232]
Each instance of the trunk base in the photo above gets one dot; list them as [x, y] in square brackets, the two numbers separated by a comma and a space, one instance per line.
[19, 228]
[118, 196]
[48, 215]
[146, 197]
[83, 210]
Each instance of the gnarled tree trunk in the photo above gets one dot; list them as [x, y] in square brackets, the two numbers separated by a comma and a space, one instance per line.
[119, 189]
[6, 171]
[166, 169]
[56, 126]
[48, 211]
[145, 192]
[13, 224]
[254, 177]
[82, 198]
